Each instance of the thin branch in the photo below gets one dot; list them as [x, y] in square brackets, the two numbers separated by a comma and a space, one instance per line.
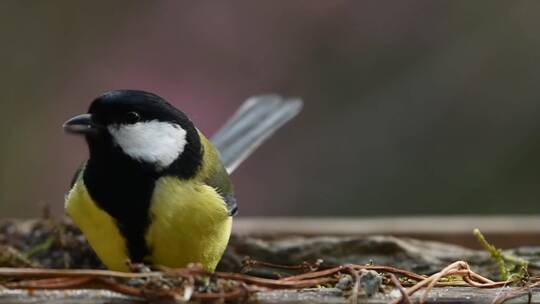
[404, 296]
[234, 286]
[43, 273]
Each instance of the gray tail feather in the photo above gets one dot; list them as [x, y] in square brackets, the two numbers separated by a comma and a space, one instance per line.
[254, 122]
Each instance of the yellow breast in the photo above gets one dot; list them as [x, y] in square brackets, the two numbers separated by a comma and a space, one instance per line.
[98, 227]
[189, 224]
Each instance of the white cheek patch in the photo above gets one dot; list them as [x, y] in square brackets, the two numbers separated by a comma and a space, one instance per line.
[153, 141]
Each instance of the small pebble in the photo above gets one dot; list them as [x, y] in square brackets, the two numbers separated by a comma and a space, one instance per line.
[370, 281]
[136, 282]
[345, 282]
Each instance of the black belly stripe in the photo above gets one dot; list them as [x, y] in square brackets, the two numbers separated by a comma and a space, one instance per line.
[123, 188]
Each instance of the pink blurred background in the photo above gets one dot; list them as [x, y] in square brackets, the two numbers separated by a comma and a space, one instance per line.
[415, 107]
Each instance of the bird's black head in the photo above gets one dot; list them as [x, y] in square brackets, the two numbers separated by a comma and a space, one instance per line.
[143, 127]
[127, 107]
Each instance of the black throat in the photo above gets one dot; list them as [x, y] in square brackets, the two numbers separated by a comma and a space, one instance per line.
[123, 187]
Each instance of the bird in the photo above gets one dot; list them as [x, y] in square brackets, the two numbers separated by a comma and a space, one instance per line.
[154, 190]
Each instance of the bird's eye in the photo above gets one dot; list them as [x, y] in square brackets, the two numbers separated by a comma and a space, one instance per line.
[132, 117]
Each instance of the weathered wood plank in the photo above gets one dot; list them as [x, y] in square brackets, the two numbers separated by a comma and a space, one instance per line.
[305, 296]
[438, 295]
[504, 231]
[77, 296]
[386, 224]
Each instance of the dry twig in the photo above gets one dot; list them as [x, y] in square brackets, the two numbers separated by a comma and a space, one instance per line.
[404, 296]
[181, 283]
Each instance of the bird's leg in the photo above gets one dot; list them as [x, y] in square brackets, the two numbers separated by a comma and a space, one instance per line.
[138, 267]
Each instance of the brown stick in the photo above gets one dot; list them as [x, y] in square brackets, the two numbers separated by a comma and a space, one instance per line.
[404, 296]
[356, 286]
[50, 278]
[41, 273]
[54, 283]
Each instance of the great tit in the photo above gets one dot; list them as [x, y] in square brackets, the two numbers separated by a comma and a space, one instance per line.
[154, 189]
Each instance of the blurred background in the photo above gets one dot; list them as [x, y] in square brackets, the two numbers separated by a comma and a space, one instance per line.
[411, 107]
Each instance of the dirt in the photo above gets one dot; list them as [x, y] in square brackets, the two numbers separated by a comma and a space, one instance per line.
[48, 243]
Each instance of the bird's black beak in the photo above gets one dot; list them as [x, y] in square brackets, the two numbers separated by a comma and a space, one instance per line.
[80, 124]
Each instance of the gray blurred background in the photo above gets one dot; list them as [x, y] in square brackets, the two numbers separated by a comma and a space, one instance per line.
[412, 107]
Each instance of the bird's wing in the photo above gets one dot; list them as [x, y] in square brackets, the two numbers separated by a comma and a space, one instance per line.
[254, 122]
[215, 175]
[220, 181]
[76, 176]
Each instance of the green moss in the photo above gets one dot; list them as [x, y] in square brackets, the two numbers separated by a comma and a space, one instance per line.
[510, 267]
